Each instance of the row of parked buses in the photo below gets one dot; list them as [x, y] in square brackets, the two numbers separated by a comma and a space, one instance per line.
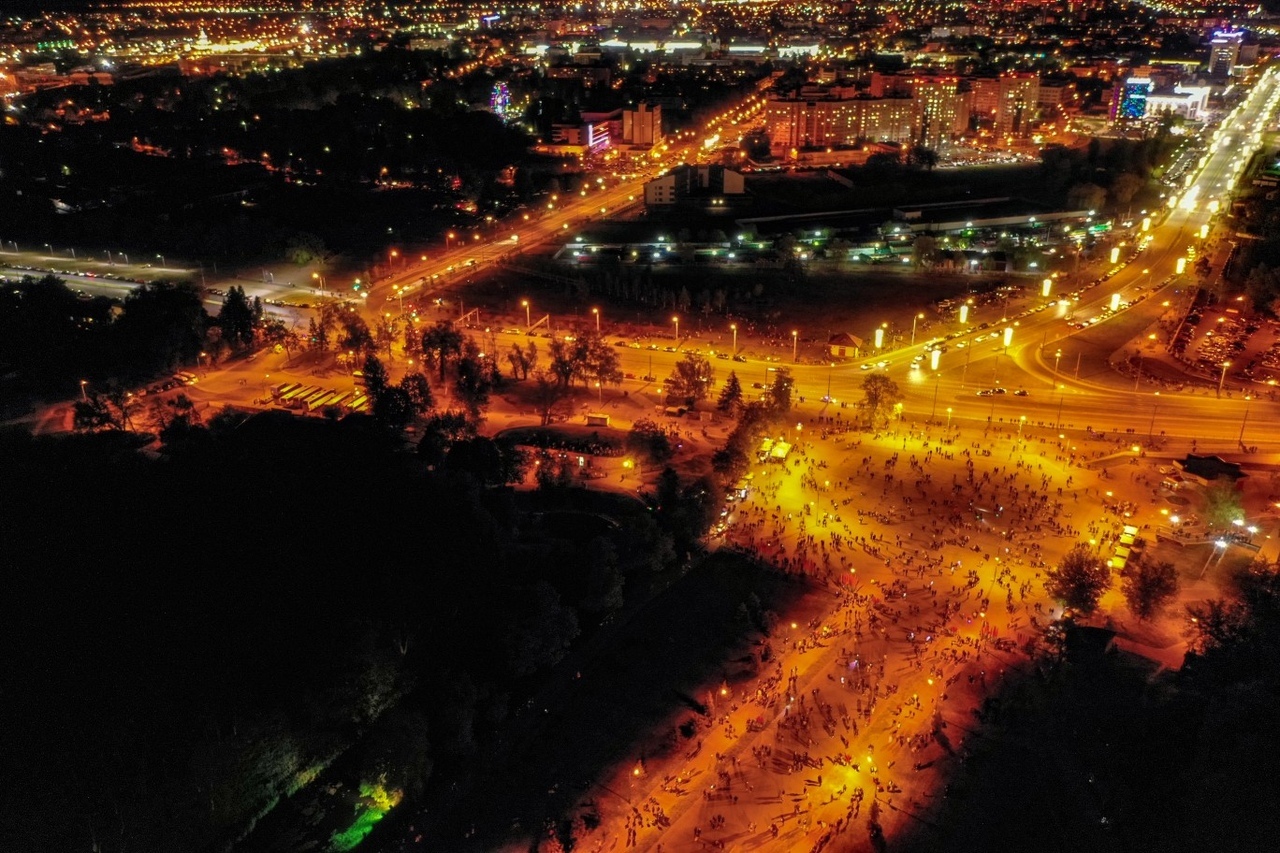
[315, 398]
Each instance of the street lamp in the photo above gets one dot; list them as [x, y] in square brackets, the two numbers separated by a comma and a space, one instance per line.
[527, 321]
[1223, 377]
[913, 327]
[1057, 357]
[1219, 548]
[948, 418]
[317, 277]
[596, 311]
[448, 240]
[599, 394]
[676, 320]
[934, 358]
[1021, 421]
[1247, 399]
[161, 257]
[795, 344]
[83, 394]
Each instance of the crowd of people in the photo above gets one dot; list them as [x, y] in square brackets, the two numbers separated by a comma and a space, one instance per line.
[925, 549]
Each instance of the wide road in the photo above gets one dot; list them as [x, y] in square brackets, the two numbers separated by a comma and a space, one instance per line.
[1063, 370]
[609, 196]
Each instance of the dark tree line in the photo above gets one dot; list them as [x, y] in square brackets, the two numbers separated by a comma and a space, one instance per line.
[206, 633]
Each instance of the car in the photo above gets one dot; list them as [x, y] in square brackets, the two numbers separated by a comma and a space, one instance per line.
[915, 365]
[757, 385]
[917, 359]
[619, 343]
[1021, 392]
[723, 355]
[741, 358]
[882, 365]
[668, 349]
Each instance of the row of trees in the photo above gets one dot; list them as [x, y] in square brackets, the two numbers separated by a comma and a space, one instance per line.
[1082, 577]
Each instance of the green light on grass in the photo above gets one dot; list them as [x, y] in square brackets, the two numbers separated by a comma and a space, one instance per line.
[374, 803]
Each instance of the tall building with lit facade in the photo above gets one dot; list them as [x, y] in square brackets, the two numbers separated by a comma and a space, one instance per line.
[1224, 51]
[1129, 99]
[795, 123]
[943, 112]
[1007, 101]
[642, 126]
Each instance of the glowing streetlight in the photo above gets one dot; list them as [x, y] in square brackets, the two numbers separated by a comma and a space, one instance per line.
[964, 314]
[879, 338]
[734, 328]
[1046, 286]
[913, 327]
[948, 417]
[449, 237]
[1180, 266]
[1115, 254]
[527, 321]
[676, 320]
[596, 311]
[83, 394]
[1021, 421]
[795, 344]
[1008, 336]
[1223, 377]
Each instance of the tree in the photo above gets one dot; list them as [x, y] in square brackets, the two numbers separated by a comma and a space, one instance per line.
[920, 157]
[1086, 196]
[692, 377]
[303, 248]
[779, 393]
[375, 377]
[731, 395]
[419, 391]
[879, 395]
[562, 366]
[548, 395]
[236, 318]
[924, 250]
[474, 382]
[542, 637]
[92, 414]
[519, 367]
[594, 360]
[1079, 580]
[392, 407]
[648, 439]
[1147, 586]
[1222, 505]
[356, 336]
[441, 342]
[1125, 187]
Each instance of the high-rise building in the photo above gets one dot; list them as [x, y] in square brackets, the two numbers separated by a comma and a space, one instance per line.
[943, 113]
[643, 125]
[1008, 101]
[808, 122]
[1129, 99]
[1224, 50]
